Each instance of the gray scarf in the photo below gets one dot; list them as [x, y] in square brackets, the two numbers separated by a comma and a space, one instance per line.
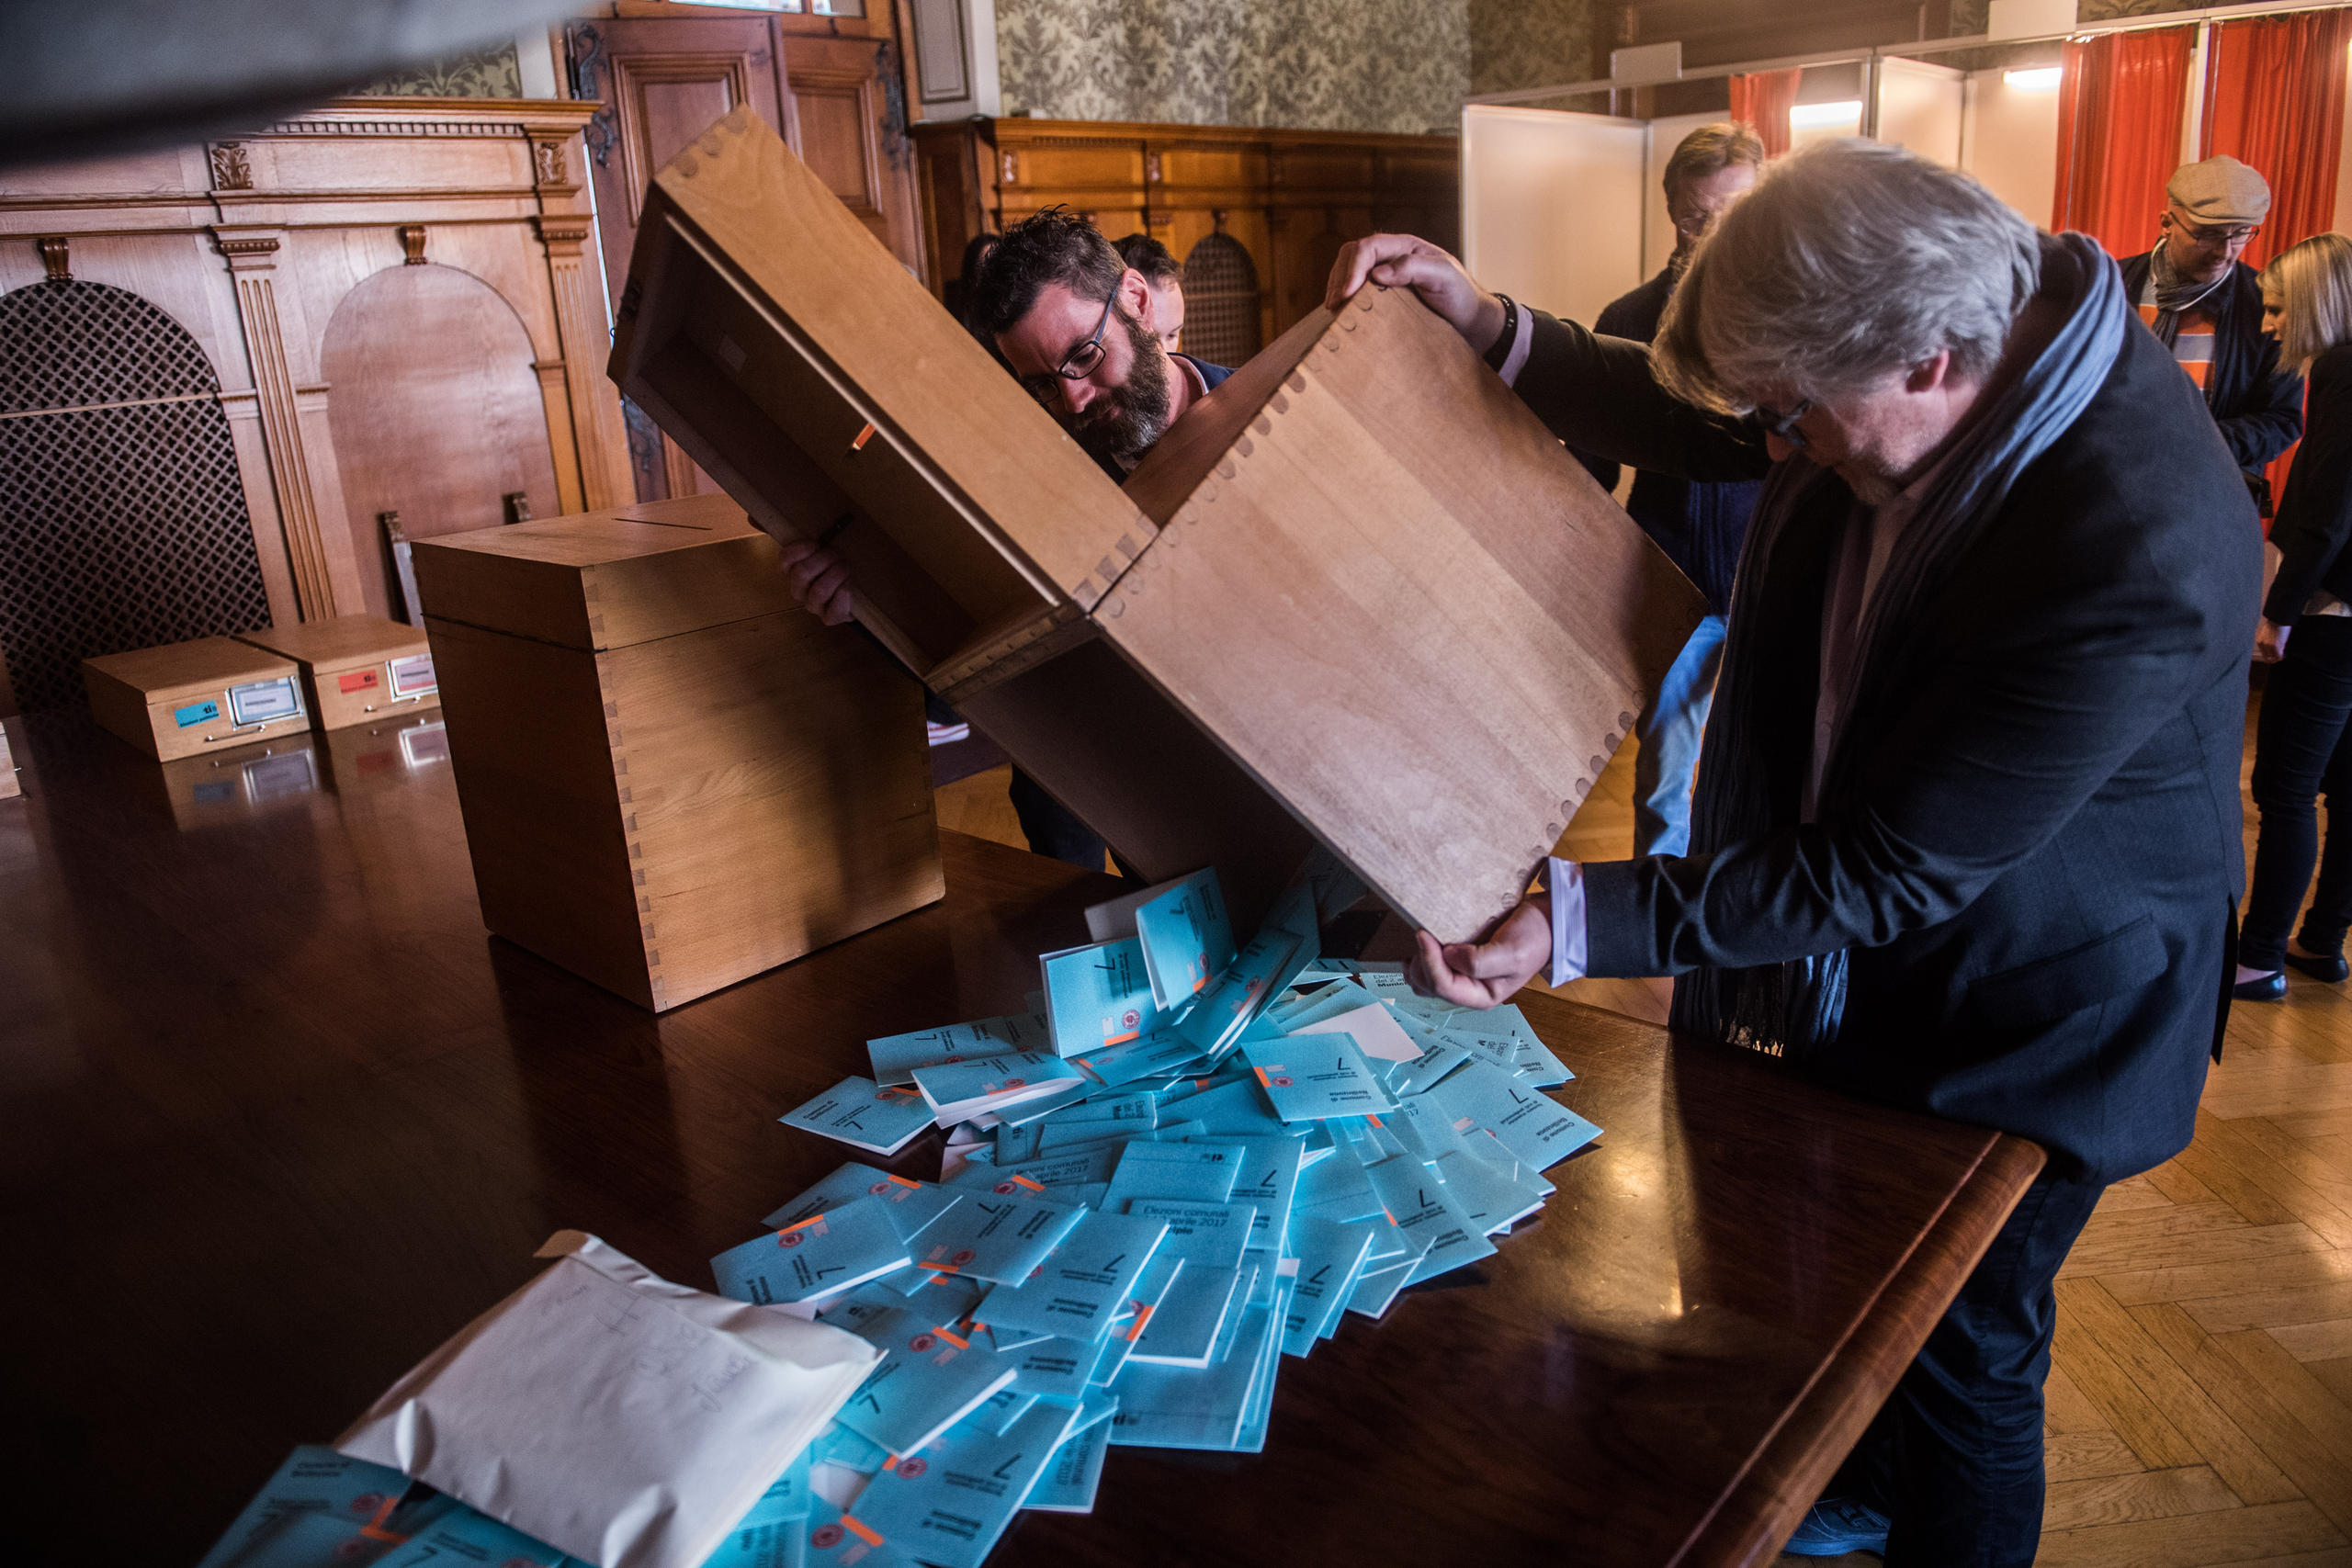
[1790, 1006]
[2175, 293]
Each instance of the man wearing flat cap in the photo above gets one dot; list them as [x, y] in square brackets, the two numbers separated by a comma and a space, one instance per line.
[2205, 304]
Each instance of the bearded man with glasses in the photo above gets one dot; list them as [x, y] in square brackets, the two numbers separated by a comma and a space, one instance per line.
[2205, 305]
[1080, 330]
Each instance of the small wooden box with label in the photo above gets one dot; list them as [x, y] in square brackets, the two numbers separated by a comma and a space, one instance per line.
[672, 778]
[187, 697]
[356, 668]
[1358, 595]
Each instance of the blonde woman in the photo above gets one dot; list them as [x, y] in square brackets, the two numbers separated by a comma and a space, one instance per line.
[2305, 634]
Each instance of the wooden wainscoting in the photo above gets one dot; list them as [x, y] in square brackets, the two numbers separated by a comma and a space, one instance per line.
[1287, 199]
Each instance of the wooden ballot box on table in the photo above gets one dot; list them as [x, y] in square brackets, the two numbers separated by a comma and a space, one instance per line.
[672, 777]
[1358, 595]
[187, 697]
[356, 668]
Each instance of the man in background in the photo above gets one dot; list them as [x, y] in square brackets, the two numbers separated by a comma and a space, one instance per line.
[1699, 526]
[1083, 332]
[1164, 277]
[2204, 303]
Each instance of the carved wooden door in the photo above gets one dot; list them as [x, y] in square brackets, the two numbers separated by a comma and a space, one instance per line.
[663, 79]
[837, 98]
[849, 124]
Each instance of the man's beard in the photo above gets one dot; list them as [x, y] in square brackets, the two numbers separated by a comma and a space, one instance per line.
[1128, 423]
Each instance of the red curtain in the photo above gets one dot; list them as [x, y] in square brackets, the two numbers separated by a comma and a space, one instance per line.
[2119, 133]
[2274, 98]
[1763, 100]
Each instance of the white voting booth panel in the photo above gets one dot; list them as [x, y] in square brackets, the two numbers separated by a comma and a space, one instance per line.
[2010, 140]
[1552, 205]
[1920, 107]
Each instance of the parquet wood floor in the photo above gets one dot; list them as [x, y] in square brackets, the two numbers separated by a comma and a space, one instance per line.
[2200, 1405]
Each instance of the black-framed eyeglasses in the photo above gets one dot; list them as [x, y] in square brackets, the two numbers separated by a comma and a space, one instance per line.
[1077, 365]
[2230, 234]
[1784, 425]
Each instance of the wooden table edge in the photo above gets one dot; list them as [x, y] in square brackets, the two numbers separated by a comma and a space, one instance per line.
[1805, 1449]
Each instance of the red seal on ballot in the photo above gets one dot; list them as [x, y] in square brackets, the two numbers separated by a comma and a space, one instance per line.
[963, 1257]
[1004, 1188]
[921, 1343]
[1279, 1083]
[911, 1468]
[789, 1238]
[825, 1537]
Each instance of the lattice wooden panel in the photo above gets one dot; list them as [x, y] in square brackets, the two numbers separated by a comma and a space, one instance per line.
[123, 517]
[1220, 302]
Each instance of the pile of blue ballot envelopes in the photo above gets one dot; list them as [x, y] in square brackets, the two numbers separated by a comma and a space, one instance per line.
[1189, 1159]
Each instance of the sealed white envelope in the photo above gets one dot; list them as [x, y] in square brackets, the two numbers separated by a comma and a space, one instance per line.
[607, 1412]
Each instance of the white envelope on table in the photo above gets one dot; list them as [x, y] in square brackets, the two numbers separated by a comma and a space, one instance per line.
[625, 1419]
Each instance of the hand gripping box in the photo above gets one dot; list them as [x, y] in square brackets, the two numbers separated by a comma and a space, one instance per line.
[672, 778]
[1358, 596]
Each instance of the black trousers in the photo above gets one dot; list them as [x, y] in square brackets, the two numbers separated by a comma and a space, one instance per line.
[1053, 829]
[2301, 750]
[1954, 1456]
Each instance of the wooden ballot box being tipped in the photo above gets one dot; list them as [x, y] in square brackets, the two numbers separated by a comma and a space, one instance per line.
[672, 778]
[1359, 595]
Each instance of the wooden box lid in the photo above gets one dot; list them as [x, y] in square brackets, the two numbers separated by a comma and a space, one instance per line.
[340, 642]
[180, 669]
[602, 579]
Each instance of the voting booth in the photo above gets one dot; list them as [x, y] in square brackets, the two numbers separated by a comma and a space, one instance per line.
[672, 777]
[1358, 596]
[1564, 207]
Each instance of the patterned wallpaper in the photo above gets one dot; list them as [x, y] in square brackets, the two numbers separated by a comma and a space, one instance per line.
[493, 73]
[1532, 43]
[1400, 65]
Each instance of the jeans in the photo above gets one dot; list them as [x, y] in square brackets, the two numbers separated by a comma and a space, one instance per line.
[1669, 731]
[1954, 1456]
[2301, 750]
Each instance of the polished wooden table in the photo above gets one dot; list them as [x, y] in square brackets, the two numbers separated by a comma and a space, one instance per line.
[279, 1117]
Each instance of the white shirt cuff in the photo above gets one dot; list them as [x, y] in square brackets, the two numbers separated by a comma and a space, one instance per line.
[1522, 339]
[1564, 879]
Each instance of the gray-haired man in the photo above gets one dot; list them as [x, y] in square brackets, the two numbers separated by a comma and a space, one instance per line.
[1966, 833]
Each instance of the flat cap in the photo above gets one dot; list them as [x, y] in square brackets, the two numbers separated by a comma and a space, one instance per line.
[2218, 191]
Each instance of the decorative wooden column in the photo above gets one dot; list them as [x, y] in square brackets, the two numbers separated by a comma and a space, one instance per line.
[252, 258]
[580, 326]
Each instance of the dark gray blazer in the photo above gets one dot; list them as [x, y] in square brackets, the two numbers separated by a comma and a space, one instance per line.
[2038, 878]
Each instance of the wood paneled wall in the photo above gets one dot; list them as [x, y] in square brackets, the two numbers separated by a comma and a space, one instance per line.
[260, 247]
[1290, 198]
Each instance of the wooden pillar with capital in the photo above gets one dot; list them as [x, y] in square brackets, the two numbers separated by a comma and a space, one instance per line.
[598, 436]
[251, 257]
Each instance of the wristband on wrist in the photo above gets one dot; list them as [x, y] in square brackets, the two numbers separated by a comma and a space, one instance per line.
[1509, 334]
